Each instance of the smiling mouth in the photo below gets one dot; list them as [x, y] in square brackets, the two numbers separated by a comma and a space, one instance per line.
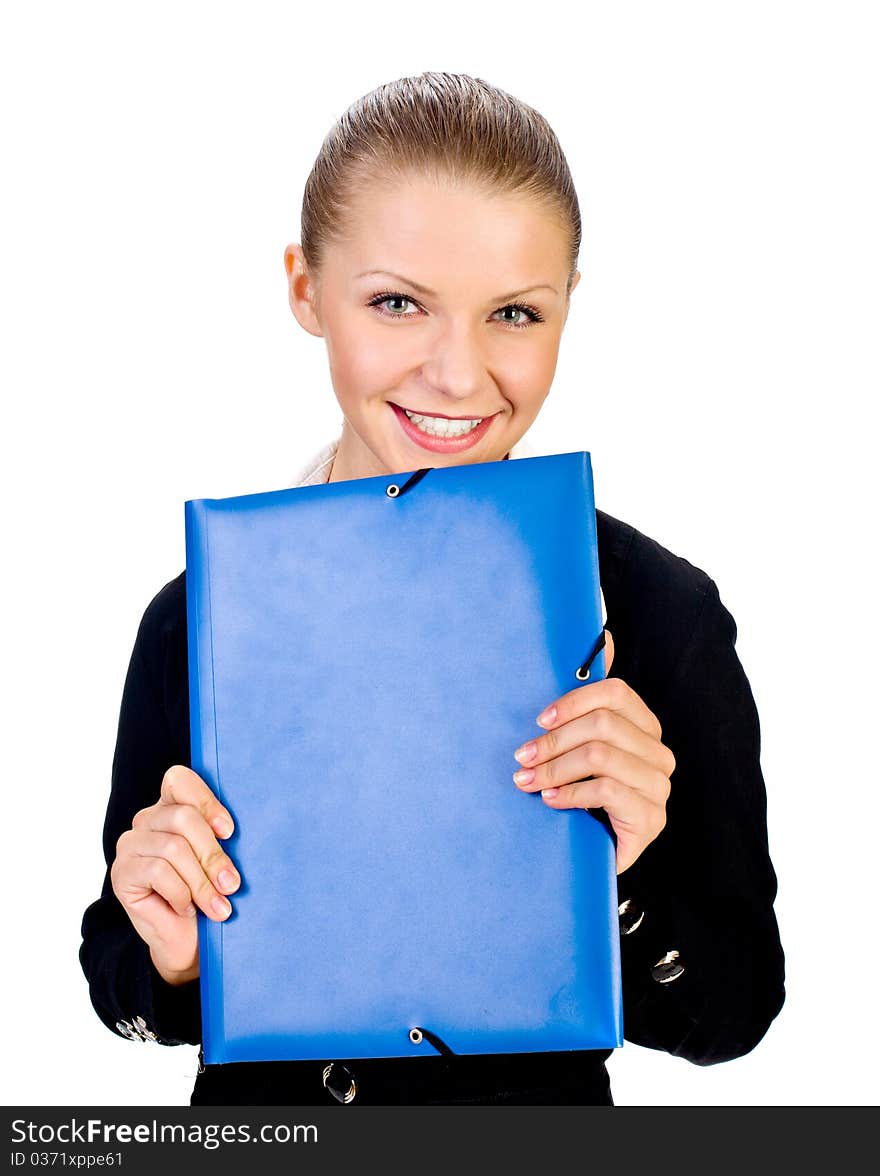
[440, 433]
[441, 416]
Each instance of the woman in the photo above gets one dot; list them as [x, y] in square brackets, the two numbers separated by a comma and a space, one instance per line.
[440, 237]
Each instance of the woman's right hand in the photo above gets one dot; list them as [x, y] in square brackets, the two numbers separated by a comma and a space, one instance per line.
[169, 860]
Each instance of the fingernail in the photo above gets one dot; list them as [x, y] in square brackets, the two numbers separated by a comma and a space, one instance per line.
[221, 906]
[545, 718]
[190, 910]
[222, 828]
[527, 752]
[524, 776]
[227, 879]
[549, 793]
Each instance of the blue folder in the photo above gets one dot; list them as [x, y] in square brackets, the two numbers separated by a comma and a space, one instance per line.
[364, 658]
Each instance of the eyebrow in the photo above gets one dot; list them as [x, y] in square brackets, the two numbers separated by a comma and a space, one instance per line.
[431, 294]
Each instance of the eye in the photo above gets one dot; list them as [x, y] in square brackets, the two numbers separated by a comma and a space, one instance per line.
[391, 296]
[533, 315]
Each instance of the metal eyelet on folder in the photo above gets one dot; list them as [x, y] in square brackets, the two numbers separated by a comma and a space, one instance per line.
[583, 670]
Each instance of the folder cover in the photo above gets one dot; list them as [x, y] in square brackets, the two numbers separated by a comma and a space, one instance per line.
[364, 658]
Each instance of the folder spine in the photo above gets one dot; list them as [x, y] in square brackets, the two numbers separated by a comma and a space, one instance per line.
[592, 539]
[615, 1008]
[203, 751]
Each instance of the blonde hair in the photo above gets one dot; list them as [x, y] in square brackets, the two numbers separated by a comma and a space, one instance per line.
[443, 126]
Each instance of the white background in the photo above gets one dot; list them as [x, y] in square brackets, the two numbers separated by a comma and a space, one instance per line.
[719, 362]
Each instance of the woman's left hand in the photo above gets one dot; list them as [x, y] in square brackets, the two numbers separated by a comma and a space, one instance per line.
[605, 732]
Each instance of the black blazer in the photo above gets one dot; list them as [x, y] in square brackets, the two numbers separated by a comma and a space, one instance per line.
[704, 888]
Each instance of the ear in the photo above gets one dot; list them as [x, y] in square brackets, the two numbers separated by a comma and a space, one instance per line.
[609, 652]
[575, 280]
[300, 290]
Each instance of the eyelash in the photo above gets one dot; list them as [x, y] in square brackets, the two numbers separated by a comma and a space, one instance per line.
[534, 314]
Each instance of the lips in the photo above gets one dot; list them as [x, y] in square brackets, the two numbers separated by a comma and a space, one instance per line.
[440, 416]
[442, 444]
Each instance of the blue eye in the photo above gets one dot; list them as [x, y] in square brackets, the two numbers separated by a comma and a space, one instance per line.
[382, 298]
[533, 315]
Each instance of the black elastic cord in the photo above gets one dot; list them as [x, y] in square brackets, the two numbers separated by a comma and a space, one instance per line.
[413, 479]
[439, 1045]
[586, 665]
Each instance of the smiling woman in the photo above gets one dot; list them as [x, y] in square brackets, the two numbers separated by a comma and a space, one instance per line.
[478, 229]
[429, 196]
[457, 352]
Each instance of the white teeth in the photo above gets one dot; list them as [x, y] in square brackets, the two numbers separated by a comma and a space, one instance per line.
[439, 427]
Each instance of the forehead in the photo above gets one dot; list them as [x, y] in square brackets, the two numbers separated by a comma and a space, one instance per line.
[414, 225]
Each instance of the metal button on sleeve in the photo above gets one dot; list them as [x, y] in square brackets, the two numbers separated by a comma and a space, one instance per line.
[630, 915]
[141, 1025]
[340, 1082]
[128, 1030]
[668, 968]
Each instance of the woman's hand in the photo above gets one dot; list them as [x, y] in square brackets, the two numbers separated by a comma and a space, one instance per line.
[170, 859]
[603, 731]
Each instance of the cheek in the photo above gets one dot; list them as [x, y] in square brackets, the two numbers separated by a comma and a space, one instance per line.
[527, 378]
[362, 365]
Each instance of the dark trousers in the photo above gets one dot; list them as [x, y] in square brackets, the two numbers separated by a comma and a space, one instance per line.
[571, 1078]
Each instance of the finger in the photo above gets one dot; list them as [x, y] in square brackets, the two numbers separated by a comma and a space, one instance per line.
[635, 819]
[187, 824]
[609, 651]
[149, 875]
[610, 693]
[628, 809]
[607, 726]
[146, 846]
[599, 760]
[181, 785]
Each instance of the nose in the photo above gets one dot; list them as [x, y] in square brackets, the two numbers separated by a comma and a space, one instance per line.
[456, 366]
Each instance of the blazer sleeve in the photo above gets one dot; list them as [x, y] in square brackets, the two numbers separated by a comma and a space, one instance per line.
[705, 888]
[126, 990]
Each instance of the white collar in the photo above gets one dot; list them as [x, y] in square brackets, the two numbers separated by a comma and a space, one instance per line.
[317, 468]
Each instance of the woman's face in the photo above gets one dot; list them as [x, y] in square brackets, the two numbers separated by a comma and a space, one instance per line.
[442, 301]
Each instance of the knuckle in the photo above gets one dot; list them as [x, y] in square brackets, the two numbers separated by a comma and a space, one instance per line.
[603, 723]
[214, 859]
[154, 868]
[140, 817]
[549, 744]
[617, 690]
[122, 842]
[178, 816]
[185, 821]
[604, 787]
[595, 756]
[170, 846]
[169, 780]
[204, 891]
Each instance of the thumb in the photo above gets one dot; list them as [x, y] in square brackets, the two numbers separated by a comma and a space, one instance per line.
[609, 651]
